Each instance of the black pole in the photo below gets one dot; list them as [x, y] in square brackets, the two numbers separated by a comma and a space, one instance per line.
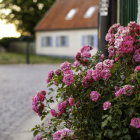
[107, 17]
[28, 52]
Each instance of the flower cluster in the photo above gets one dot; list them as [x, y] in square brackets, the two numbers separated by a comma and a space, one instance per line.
[59, 135]
[124, 40]
[37, 102]
[83, 56]
[102, 71]
[127, 89]
[68, 78]
[97, 91]
[63, 105]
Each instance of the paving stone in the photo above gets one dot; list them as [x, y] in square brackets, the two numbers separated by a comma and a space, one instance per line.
[18, 84]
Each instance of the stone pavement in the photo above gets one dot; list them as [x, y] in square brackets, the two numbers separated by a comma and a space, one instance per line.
[18, 84]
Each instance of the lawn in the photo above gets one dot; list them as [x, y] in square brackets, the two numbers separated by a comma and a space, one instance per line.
[16, 58]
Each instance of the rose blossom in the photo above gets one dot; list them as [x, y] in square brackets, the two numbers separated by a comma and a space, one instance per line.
[94, 96]
[86, 54]
[76, 63]
[50, 75]
[58, 72]
[40, 96]
[120, 92]
[137, 68]
[62, 106]
[38, 137]
[96, 75]
[68, 79]
[106, 105]
[65, 66]
[85, 82]
[86, 49]
[71, 101]
[102, 56]
[135, 122]
[136, 55]
[108, 64]
[127, 45]
[53, 112]
[99, 66]
[105, 74]
[128, 89]
[59, 135]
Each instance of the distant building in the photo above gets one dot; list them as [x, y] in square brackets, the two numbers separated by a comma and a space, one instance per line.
[67, 26]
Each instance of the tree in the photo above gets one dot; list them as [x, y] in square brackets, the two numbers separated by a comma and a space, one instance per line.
[25, 14]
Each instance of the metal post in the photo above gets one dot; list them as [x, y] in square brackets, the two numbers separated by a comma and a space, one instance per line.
[106, 19]
[28, 52]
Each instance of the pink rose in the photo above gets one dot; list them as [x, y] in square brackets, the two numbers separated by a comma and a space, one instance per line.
[50, 75]
[68, 79]
[128, 89]
[86, 49]
[108, 64]
[58, 72]
[94, 96]
[135, 122]
[65, 66]
[38, 137]
[137, 68]
[99, 66]
[105, 74]
[96, 75]
[106, 105]
[127, 45]
[62, 106]
[102, 56]
[120, 92]
[86, 54]
[40, 97]
[76, 63]
[136, 55]
[53, 112]
[71, 101]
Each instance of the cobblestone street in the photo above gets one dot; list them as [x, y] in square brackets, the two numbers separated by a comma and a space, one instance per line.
[18, 84]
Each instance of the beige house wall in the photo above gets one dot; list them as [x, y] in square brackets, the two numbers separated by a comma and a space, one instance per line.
[74, 42]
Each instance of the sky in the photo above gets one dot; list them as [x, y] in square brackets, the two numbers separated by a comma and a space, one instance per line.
[7, 30]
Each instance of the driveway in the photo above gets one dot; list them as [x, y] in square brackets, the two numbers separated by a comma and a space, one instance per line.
[18, 84]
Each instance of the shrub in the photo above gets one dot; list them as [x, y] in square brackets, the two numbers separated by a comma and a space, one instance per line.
[5, 42]
[98, 97]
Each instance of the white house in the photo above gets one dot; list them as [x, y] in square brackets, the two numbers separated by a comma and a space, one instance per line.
[67, 26]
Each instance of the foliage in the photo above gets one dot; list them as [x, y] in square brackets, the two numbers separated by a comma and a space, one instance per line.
[98, 98]
[24, 14]
[5, 42]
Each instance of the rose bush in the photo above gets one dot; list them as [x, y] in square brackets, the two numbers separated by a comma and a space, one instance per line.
[98, 97]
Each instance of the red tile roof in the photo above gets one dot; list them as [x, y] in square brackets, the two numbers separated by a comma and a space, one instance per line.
[54, 19]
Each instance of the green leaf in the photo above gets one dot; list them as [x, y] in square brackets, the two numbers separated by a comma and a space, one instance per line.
[35, 132]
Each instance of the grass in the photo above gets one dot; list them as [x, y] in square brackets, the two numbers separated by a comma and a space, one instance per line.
[16, 58]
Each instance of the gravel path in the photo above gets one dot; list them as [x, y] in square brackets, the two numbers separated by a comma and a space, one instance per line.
[18, 84]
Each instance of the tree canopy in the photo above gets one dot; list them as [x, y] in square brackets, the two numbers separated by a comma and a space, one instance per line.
[25, 14]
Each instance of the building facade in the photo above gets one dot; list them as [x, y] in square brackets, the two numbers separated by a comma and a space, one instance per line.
[67, 27]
